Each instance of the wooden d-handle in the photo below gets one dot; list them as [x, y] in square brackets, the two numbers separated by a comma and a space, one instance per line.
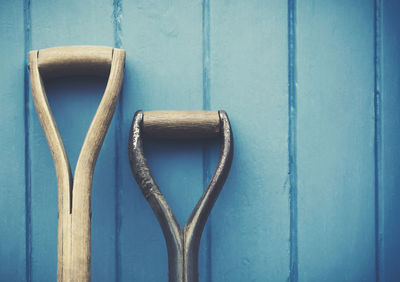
[74, 193]
[181, 124]
[75, 60]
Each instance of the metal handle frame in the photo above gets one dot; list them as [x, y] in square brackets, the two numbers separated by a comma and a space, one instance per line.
[182, 244]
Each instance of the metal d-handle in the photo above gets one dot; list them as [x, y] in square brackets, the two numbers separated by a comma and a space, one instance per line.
[182, 244]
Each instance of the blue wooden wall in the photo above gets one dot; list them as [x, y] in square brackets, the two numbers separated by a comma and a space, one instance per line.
[312, 89]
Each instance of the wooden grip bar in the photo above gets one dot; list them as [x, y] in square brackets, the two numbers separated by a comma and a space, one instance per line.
[75, 60]
[181, 124]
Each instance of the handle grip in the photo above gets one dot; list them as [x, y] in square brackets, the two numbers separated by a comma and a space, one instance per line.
[74, 60]
[74, 193]
[181, 124]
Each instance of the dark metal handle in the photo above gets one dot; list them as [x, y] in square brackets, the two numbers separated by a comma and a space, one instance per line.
[182, 244]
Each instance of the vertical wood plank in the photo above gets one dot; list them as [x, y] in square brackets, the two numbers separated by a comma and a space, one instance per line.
[73, 101]
[249, 79]
[12, 143]
[163, 40]
[390, 105]
[240, 66]
[379, 191]
[292, 141]
[335, 140]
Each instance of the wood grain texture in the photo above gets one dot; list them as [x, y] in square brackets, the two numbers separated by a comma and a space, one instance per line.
[73, 101]
[192, 55]
[390, 155]
[74, 194]
[181, 124]
[249, 79]
[335, 144]
[12, 145]
[75, 60]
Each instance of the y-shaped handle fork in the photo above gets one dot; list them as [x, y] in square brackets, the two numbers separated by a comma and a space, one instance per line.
[182, 244]
[74, 194]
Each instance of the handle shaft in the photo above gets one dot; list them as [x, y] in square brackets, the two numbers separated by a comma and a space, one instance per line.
[181, 124]
[75, 60]
[74, 193]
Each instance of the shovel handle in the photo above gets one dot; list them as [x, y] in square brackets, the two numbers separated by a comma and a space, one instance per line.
[74, 193]
[181, 124]
[75, 60]
[182, 243]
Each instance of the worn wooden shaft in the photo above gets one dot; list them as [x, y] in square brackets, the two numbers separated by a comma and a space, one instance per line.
[74, 194]
[181, 124]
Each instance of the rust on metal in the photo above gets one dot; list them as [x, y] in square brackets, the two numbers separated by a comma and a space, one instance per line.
[182, 243]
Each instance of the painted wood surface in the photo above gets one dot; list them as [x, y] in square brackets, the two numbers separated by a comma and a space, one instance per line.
[312, 92]
[248, 69]
[335, 141]
[388, 88]
[13, 205]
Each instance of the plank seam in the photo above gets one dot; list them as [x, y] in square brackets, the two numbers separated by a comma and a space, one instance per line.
[27, 113]
[206, 106]
[117, 28]
[117, 18]
[292, 141]
[379, 191]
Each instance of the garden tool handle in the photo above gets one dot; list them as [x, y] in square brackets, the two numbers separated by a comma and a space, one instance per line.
[182, 243]
[74, 193]
[181, 124]
[75, 60]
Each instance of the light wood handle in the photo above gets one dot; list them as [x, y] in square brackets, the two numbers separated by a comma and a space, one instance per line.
[74, 205]
[75, 60]
[181, 124]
